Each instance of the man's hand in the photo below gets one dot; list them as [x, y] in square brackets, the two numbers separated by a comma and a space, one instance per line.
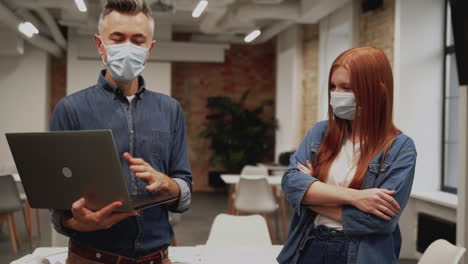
[85, 220]
[156, 180]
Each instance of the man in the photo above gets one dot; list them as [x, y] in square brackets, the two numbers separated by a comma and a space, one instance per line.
[149, 132]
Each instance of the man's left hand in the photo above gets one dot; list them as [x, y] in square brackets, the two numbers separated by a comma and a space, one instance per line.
[156, 180]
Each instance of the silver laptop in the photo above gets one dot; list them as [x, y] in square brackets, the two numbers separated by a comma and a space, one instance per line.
[58, 168]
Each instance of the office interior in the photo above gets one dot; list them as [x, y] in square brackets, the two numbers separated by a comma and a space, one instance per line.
[287, 65]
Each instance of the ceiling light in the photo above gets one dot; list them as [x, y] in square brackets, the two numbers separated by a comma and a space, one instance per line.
[28, 29]
[81, 5]
[252, 35]
[199, 9]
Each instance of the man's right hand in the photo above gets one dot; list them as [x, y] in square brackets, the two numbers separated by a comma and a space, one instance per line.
[85, 220]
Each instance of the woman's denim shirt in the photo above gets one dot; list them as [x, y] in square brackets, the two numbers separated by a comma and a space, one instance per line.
[379, 241]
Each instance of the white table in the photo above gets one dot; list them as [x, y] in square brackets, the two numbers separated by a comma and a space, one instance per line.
[178, 255]
[233, 179]
[275, 169]
[275, 181]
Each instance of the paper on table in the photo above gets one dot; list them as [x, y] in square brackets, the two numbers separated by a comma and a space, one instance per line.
[239, 254]
[58, 258]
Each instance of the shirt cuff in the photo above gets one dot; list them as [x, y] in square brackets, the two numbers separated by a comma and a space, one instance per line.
[185, 197]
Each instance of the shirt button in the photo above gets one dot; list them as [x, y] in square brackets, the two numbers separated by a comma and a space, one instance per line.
[98, 255]
[136, 188]
[132, 132]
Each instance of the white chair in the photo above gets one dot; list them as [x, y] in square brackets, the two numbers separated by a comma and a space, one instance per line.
[254, 196]
[254, 170]
[441, 251]
[246, 170]
[235, 230]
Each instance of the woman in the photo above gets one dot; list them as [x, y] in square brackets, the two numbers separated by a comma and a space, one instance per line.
[351, 176]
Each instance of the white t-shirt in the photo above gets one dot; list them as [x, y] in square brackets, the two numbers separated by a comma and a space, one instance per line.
[130, 98]
[341, 173]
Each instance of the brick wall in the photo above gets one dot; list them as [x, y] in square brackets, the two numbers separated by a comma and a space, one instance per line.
[58, 80]
[310, 53]
[377, 28]
[246, 67]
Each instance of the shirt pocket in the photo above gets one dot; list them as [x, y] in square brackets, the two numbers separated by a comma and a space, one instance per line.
[161, 141]
[375, 173]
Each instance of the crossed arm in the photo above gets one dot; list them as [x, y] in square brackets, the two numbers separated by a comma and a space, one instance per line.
[362, 212]
[327, 200]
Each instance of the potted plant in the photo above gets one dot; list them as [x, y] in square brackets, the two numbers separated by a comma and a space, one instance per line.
[239, 136]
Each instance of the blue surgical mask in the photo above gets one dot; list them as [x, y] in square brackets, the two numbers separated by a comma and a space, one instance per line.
[343, 104]
[125, 61]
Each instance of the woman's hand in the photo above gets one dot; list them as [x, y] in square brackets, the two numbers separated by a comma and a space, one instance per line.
[307, 170]
[376, 201]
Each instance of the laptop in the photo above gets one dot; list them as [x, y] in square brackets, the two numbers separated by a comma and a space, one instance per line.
[58, 168]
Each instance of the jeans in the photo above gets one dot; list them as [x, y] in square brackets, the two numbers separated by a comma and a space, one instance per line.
[325, 246]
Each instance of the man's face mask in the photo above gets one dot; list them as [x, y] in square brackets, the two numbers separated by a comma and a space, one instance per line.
[343, 104]
[125, 61]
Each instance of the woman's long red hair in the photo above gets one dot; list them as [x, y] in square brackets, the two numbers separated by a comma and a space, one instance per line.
[372, 83]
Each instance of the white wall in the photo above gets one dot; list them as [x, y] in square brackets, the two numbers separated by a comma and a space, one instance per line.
[418, 71]
[82, 73]
[336, 35]
[288, 89]
[23, 104]
[419, 82]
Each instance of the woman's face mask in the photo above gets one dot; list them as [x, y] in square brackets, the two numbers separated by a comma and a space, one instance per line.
[125, 61]
[343, 104]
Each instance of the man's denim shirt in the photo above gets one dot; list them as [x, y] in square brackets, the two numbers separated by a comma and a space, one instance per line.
[151, 127]
[378, 240]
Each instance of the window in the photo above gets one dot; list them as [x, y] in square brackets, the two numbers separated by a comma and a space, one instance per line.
[450, 112]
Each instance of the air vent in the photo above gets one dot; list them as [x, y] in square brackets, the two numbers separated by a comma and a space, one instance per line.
[431, 228]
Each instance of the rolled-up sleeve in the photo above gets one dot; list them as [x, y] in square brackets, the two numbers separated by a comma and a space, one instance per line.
[180, 165]
[295, 182]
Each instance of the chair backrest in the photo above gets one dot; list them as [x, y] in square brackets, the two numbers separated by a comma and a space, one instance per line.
[442, 251]
[235, 230]
[254, 195]
[9, 195]
[254, 170]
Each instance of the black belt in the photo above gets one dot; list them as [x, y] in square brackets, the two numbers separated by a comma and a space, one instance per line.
[107, 257]
[323, 232]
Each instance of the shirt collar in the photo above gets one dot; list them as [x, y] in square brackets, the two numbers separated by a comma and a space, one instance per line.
[116, 91]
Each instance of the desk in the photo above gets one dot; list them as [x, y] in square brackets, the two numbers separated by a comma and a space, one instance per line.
[275, 181]
[179, 255]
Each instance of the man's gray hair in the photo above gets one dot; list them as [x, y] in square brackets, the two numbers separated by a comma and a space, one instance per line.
[130, 7]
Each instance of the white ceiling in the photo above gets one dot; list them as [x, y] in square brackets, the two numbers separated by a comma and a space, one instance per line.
[223, 20]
